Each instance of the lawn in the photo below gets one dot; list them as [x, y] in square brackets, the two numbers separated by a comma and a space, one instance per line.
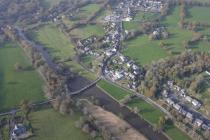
[50, 125]
[103, 14]
[173, 18]
[50, 3]
[17, 85]
[175, 133]
[87, 11]
[115, 91]
[131, 25]
[143, 50]
[139, 17]
[88, 30]
[199, 14]
[57, 43]
[147, 111]
[59, 47]
[203, 46]
[145, 16]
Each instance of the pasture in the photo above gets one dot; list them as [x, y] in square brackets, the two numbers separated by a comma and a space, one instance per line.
[88, 30]
[147, 111]
[16, 85]
[88, 10]
[113, 90]
[198, 14]
[59, 47]
[50, 125]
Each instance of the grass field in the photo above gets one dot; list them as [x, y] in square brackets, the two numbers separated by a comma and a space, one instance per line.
[147, 111]
[50, 125]
[199, 14]
[139, 17]
[17, 85]
[50, 3]
[59, 47]
[87, 11]
[88, 30]
[116, 92]
[203, 46]
[145, 16]
[103, 14]
[175, 133]
[144, 50]
[57, 43]
[131, 25]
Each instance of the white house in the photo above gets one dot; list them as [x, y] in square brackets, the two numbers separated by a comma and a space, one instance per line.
[165, 93]
[108, 53]
[123, 58]
[169, 101]
[183, 112]
[196, 103]
[177, 106]
[198, 122]
[129, 64]
[189, 116]
[188, 98]
[132, 76]
[208, 73]
[135, 67]
[118, 75]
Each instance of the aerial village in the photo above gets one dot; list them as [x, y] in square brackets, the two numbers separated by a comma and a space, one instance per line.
[126, 72]
[164, 84]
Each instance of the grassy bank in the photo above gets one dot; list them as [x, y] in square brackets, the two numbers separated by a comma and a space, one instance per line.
[113, 90]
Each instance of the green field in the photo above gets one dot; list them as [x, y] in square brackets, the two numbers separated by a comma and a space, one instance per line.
[57, 43]
[175, 133]
[147, 111]
[50, 3]
[199, 14]
[145, 16]
[103, 14]
[59, 47]
[88, 30]
[138, 18]
[131, 25]
[50, 125]
[143, 50]
[116, 92]
[87, 11]
[17, 85]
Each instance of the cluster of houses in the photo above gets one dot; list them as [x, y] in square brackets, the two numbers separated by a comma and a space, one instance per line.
[159, 33]
[198, 121]
[182, 93]
[85, 46]
[126, 69]
[143, 5]
[19, 131]
[126, 9]
[113, 38]
[120, 67]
